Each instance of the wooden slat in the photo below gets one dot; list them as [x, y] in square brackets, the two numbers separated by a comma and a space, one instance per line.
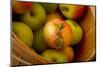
[26, 53]
[86, 49]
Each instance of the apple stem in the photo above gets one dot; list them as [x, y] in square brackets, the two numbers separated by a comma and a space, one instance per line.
[31, 13]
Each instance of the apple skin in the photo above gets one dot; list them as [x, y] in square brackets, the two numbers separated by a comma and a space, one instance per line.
[54, 56]
[24, 33]
[77, 31]
[49, 7]
[57, 34]
[21, 7]
[72, 11]
[54, 15]
[34, 18]
[69, 53]
[39, 44]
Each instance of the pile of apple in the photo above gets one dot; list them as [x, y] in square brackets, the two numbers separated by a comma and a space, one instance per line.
[49, 29]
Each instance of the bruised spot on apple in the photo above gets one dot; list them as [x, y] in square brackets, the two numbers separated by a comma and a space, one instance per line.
[57, 34]
[24, 32]
[77, 31]
[54, 56]
[72, 11]
[21, 7]
[35, 18]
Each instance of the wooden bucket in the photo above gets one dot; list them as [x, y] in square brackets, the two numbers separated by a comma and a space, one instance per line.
[85, 51]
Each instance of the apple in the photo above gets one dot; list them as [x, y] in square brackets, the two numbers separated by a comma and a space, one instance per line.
[39, 44]
[77, 31]
[24, 33]
[54, 56]
[69, 53]
[21, 7]
[35, 18]
[72, 11]
[57, 34]
[49, 7]
[53, 16]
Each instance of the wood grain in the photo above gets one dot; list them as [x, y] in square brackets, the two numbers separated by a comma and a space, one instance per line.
[86, 49]
[25, 52]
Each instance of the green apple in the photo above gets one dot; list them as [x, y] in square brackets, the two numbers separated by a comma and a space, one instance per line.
[72, 11]
[24, 33]
[21, 7]
[49, 7]
[39, 43]
[54, 56]
[77, 31]
[35, 18]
